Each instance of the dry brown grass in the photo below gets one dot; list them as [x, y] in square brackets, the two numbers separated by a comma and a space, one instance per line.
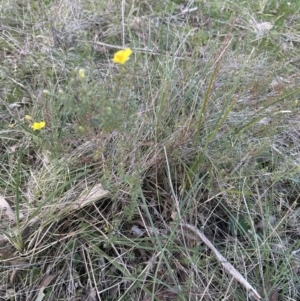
[201, 126]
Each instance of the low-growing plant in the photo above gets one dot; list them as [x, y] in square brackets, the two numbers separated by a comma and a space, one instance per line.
[113, 157]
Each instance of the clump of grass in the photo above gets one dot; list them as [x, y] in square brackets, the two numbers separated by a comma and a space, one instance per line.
[198, 126]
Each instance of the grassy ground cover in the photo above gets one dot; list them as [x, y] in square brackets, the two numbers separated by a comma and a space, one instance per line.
[102, 163]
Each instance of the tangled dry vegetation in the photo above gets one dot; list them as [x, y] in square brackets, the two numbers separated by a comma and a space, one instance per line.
[197, 134]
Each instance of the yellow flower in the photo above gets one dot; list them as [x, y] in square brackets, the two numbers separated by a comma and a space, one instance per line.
[81, 73]
[27, 117]
[122, 56]
[38, 125]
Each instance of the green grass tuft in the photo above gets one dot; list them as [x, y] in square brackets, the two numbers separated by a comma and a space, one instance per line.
[199, 126]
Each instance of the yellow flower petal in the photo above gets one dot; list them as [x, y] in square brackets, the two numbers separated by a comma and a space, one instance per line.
[38, 125]
[122, 56]
[81, 73]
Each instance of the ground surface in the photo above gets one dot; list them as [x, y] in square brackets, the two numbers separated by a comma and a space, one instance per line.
[199, 127]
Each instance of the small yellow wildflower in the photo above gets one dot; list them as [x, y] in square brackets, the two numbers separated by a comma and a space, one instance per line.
[28, 117]
[108, 110]
[38, 125]
[81, 73]
[122, 56]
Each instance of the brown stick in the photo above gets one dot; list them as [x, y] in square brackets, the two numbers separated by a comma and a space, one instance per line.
[227, 265]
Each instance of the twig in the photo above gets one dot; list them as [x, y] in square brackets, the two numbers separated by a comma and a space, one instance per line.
[142, 50]
[121, 47]
[227, 42]
[227, 265]
[184, 11]
[123, 23]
